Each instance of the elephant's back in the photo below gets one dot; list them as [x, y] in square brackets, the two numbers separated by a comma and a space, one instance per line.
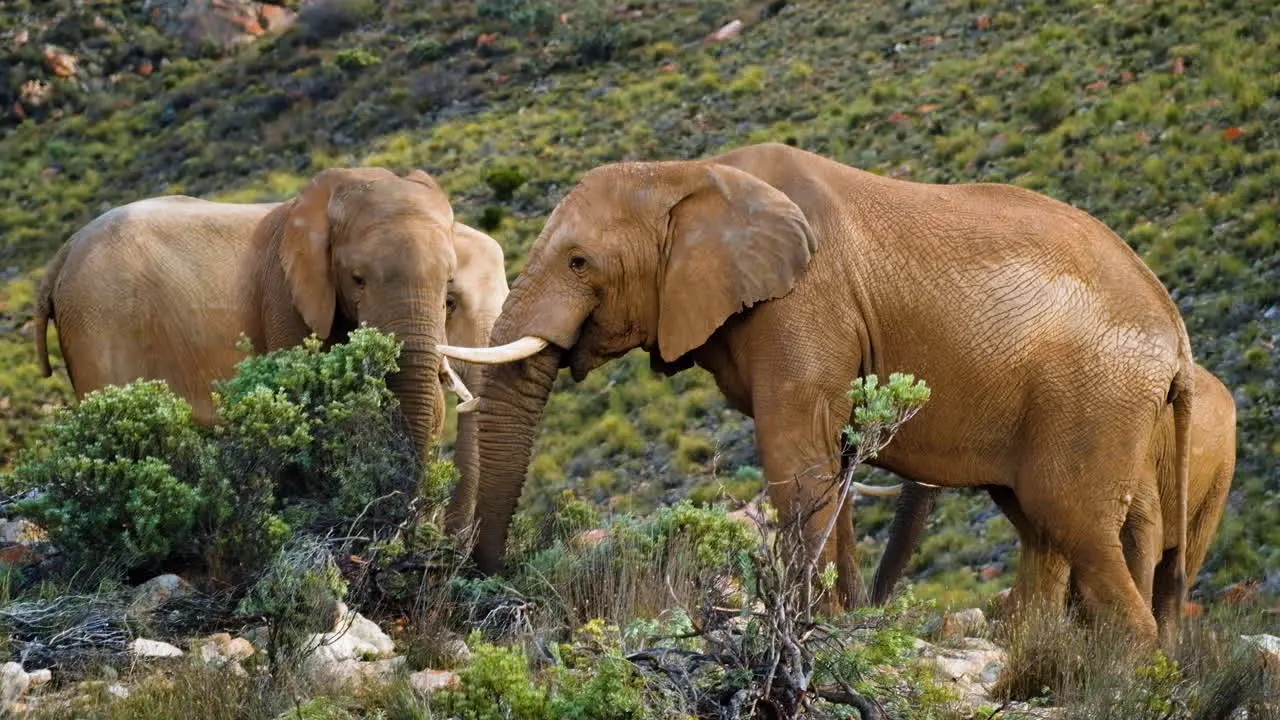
[145, 284]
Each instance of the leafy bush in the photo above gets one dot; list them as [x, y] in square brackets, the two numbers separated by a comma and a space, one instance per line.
[504, 182]
[491, 217]
[121, 478]
[353, 59]
[498, 684]
[346, 449]
[310, 441]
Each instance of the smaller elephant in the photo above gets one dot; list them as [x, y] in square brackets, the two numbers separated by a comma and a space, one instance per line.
[163, 288]
[1213, 460]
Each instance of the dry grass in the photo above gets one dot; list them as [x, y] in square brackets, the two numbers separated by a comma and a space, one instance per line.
[1096, 672]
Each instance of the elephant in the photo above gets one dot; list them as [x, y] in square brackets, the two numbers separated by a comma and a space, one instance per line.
[1213, 461]
[163, 287]
[1051, 349]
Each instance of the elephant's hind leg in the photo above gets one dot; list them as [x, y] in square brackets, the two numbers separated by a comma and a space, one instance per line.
[1080, 512]
[1143, 534]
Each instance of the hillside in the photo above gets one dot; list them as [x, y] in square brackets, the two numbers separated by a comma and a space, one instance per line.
[1161, 118]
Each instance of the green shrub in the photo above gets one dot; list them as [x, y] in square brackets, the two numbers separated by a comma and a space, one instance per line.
[120, 479]
[309, 441]
[498, 684]
[426, 50]
[504, 182]
[491, 217]
[346, 449]
[1049, 106]
[639, 568]
[353, 59]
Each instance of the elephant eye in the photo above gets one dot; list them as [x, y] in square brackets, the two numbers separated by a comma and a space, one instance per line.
[450, 304]
[577, 263]
[358, 278]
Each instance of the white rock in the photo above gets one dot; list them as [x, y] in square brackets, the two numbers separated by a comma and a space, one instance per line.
[367, 632]
[14, 683]
[154, 649]
[354, 637]
[972, 669]
[220, 649]
[40, 677]
[119, 690]
[155, 592]
[1268, 648]
[456, 650]
[17, 530]
[957, 625]
[239, 649]
[430, 681]
[1265, 643]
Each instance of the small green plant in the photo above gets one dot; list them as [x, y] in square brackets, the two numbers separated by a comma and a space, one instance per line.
[426, 50]
[497, 684]
[504, 182]
[1049, 106]
[354, 59]
[491, 217]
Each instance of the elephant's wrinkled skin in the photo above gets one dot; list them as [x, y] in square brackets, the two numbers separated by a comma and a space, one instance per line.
[1213, 462]
[1052, 350]
[162, 288]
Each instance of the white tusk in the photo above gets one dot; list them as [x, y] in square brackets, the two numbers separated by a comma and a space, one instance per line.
[454, 383]
[877, 491]
[512, 351]
[468, 406]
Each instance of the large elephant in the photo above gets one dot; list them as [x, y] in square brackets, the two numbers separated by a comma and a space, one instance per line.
[162, 288]
[1051, 349]
[1213, 462]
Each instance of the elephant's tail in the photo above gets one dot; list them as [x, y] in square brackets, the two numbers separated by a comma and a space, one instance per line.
[1182, 395]
[44, 307]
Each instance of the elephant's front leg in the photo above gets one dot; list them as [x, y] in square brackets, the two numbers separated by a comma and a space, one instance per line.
[1040, 587]
[798, 444]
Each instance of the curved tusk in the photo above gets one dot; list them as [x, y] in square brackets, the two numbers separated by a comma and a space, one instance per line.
[469, 405]
[878, 491]
[512, 351]
[454, 383]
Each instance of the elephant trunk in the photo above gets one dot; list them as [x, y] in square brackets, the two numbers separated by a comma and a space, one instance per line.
[512, 398]
[417, 385]
[466, 454]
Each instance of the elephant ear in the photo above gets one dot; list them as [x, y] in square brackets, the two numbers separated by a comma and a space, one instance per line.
[422, 178]
[305, 248]
[733, 241]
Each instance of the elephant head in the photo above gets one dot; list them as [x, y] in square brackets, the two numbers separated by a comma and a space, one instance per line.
[650, 255]
[363, 245]
[476, 294]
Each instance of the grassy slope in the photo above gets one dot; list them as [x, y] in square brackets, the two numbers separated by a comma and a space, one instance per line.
[1085, 102]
